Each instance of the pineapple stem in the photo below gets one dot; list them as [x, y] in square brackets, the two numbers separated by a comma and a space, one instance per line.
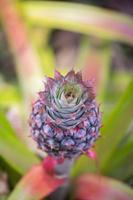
[62, 170]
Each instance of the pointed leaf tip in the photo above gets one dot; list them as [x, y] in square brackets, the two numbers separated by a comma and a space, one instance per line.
[79, 75]
[57, 75]
[50, 82]
[92, 154]
[70, 75]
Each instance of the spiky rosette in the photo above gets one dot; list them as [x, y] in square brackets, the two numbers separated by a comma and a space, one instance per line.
[65, 120]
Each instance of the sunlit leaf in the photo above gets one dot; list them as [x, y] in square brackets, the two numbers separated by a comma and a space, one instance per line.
[10, 97]
[84, 19]
[12, 150]
[26, 61]
[40, 40]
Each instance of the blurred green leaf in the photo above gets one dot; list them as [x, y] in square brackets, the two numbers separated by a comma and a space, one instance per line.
[12, 174]
[12, 150]
[115, 87]
[121, 165]
[84, 164]
[115, 128]
[40, 41]
[10, 97]
[84, 19]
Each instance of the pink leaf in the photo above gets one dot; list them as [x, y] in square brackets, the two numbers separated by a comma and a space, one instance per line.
[94, 187]
[36, 184]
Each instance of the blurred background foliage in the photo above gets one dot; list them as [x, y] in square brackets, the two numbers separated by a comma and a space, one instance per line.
[93, 36]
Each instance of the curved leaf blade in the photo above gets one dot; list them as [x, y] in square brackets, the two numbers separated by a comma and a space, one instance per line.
[95, 187]
[36, 184]
[12, 150]
[84, 19]
[121, 162]
[115, 127]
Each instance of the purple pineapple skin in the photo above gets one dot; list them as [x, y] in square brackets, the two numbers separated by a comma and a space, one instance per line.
[65, 120]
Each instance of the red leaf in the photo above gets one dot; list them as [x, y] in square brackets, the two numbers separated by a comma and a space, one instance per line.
[36, 184]
[49, 164]
[94, 187]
